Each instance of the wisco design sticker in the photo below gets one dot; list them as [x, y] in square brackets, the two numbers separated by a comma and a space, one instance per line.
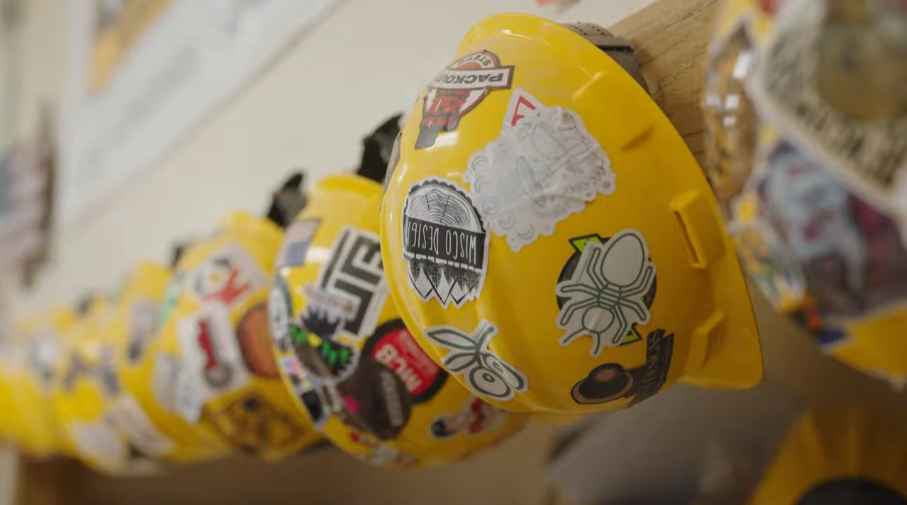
[485, 373]
[807, 83]
[457, 90]
[606, 293]
[545, 168]
[445, 244]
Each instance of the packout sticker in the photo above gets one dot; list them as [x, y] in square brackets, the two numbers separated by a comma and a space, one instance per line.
[485, 373]
[445, 245]
[457, 90]
[606, 295]
[611, 381]
[540, 171]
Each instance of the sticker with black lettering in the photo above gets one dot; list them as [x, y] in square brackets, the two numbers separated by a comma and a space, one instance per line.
[394, 346]
[351, 287]
[469, 356]
[445, 245]
[611, 381]
[608, 292]
[457, 90]
[834, 84]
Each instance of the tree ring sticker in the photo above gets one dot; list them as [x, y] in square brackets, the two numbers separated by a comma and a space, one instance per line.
[457, 90]
[445, 245]
[485, 373]
[606, 295]
[542, 169]
[805, 86]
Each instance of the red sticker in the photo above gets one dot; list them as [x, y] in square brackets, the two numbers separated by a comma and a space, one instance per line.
[393, 346]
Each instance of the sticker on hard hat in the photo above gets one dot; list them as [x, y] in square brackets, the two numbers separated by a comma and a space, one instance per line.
[567, 272]
[606, 294]
[445, 245]
[296, 242]
[851, 255]
[351, 288]
[143, 327]
[611, 381]
[808, 86]
[251, 423]
[280, 313]
[469, 356]
[475, 418]
[457, 90]
[254, 337]
[229, 277]
[543, 169]
[394, 346]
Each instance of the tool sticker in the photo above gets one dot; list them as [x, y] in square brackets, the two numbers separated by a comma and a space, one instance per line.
[229, 277]
[143, 327]
[835, 84]
[212, 361]
[476, 418]
[579, 246]
[457, 90]
[393, 346]
[351, 286]
[609, 382]
[254, 337]
[252, 424]
[296, 242]
[546, 168]
[851, 254]
[445, 245]
[606, 293]
[469, 356]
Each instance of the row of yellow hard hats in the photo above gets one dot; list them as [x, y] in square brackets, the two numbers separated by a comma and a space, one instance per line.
[544, 244]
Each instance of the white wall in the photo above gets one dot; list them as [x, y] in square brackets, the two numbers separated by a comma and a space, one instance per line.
[367, 61]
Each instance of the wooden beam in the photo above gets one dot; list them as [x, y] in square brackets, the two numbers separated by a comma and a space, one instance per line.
[671, 38]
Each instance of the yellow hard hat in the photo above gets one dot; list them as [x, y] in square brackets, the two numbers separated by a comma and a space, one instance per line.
[100, 414]
[356, 370]
[210, 378]
[28, 366]
[846, 455]
[548, 236]
[806, 115]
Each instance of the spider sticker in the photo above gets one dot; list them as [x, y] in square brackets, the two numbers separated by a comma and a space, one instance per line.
[485, 373]
[606, 295]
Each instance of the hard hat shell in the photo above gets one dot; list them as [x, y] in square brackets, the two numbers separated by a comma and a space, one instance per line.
[844, 455]
[104, 421]
[807, 171]
[550, 239]
[359, 375]
[29, 359]
[209, 381]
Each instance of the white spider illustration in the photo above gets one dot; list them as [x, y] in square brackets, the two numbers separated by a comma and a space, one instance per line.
[605, 293]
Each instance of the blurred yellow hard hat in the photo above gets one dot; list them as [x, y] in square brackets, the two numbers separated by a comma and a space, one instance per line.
[356, 370]
[806, 115]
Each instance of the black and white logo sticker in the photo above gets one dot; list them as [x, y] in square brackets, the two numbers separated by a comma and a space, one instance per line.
[352, 286]
[445, 244]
